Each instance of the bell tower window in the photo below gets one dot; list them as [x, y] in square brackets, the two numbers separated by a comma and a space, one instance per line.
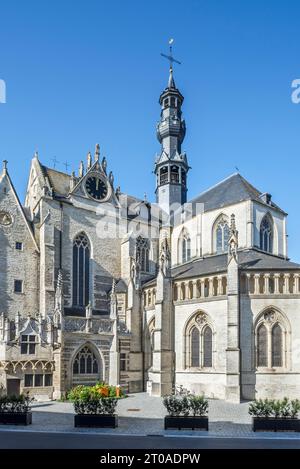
[164, 175]
[175, 174]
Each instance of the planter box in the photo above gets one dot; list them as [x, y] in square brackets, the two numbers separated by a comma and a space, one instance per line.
[16, 418]
[189, 422]
[272, 424]
[95, 420]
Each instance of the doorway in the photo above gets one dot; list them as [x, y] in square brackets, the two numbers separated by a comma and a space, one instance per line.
[13, 387]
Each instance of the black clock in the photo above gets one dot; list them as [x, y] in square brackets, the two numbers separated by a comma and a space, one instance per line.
[96, 187]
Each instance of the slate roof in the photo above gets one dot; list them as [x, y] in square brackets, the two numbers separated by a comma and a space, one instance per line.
[249, 260]
[121, 287]
[231, 190]
[60, 182]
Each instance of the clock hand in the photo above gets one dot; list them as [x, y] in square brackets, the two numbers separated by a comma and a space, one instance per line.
[97, 184]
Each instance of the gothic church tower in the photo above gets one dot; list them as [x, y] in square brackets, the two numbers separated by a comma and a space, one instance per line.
[171, 165]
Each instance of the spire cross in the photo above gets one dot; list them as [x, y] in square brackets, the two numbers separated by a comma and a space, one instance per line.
[54, 161]
[170, 56]
[66, 164]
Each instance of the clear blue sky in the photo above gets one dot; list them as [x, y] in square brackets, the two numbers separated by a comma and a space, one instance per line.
[81, 72]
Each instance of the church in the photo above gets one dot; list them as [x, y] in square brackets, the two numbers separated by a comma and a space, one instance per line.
[99, 285]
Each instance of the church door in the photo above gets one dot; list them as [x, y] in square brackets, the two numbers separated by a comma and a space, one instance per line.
[13, 387]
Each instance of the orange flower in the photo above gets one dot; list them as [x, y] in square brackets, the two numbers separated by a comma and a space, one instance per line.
[104, 392]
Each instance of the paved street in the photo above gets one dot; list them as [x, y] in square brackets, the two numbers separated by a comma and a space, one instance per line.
[139, 416]
[40, 440]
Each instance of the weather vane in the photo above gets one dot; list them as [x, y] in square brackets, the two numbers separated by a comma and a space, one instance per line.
[170, 56]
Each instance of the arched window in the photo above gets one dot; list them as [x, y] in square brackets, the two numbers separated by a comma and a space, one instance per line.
[221, 235]
[207, 347]
[164, 178]
[81, 270]
[266, 234]
[85, 362]
[195, 347]
[199, 342]
[174, 174]
[276, 345]
[142, 253]
[262, 346]
[184, 247]
[271, 340]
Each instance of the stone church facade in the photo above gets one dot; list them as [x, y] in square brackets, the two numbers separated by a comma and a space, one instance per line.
[98, 285]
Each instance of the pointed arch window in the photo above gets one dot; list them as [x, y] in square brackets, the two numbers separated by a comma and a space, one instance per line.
[207, 347]
[222, 234]
[81, 270]
[184, 247]
[85, 362]
[262, 347]
[276, 346]
[142, 253]
[271, 340]
[195, 347]
[266, 234]
[199, 343]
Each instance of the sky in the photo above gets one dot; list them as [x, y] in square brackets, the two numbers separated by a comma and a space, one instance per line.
[80, 72]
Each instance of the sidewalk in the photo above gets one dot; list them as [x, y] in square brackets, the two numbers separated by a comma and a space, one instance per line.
[142, 415]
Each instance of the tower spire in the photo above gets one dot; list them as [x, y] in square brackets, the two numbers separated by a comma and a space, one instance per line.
[171, 166]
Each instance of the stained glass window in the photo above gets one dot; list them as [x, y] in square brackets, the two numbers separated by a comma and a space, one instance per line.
[266, 235]
[262, 350]
[81, 270]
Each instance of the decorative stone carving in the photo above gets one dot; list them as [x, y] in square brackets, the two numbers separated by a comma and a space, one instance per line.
[270, 316]
[5, 218]
[201, 318]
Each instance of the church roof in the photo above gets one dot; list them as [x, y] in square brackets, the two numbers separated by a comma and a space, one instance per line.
[251, 259]
[60, 182]
[231, 190]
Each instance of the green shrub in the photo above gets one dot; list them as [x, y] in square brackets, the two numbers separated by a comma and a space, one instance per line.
[98, 399]
[186, 405]
[295, 408]
[176, 405]
[198, 405]
[279, 408]
[100, 389]
[16, 404]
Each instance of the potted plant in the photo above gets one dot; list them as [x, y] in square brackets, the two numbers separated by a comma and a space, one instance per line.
[15, 410]
[275, 415]
[95, 405]
[186, 412]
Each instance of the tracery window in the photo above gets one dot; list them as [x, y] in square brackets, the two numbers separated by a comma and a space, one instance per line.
[85, 362]
[266, 234]
[81, 270]
[270, 340]
[221, 235]
[199, 343]
[142, 252]
[184, 246]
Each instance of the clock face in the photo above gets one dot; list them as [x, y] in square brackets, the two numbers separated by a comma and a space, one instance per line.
[5, 219]
[96, 188]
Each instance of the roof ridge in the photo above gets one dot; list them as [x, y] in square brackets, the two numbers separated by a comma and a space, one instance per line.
[215, 185]
[249, 185]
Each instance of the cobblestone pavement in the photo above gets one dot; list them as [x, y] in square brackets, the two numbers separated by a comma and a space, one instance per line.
[140, 414]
